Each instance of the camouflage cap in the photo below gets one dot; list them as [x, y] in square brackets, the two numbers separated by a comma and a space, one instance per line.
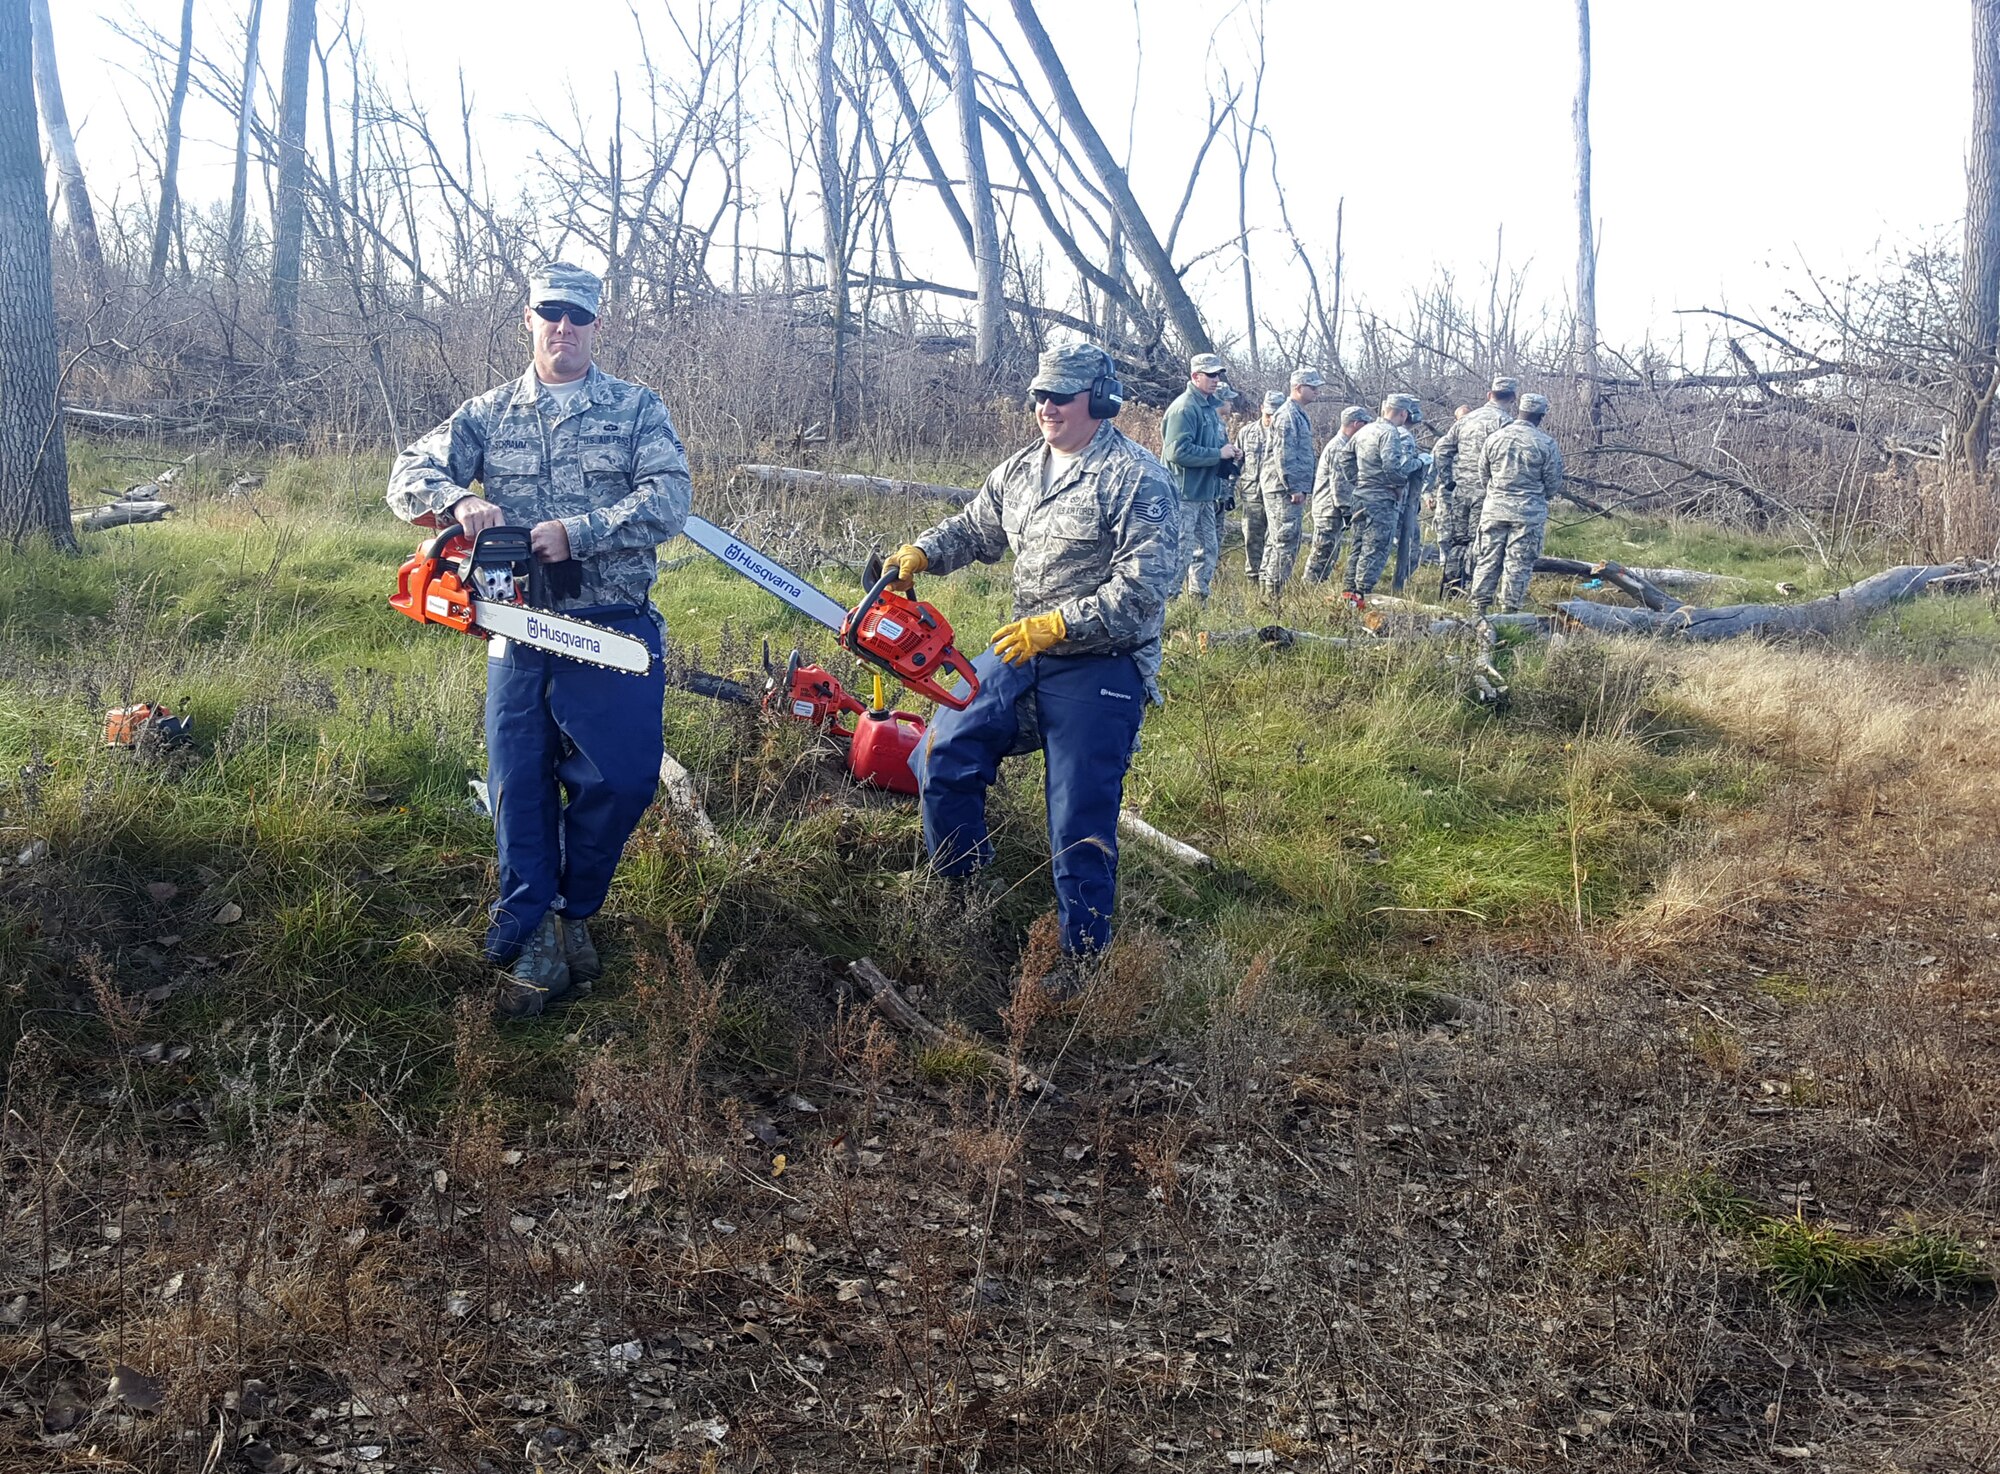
[1355, 412]
[1274, 399]
[1071, 368]
[1225, 393]
[561, 282]
[1207, 363]
[1405, 402]
[1504, 386]
[1534, 404]
[1307, 378]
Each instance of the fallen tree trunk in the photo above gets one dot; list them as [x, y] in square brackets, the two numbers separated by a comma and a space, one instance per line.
[795, 478]
[1816, 616]
[1617, 575]
[121, 514]
[898, 1010]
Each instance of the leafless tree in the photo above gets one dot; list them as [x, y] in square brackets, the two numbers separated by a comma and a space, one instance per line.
[288, 234]
[1586, 239]
[991, 319]
[1979, 310]
[168, 218]
[34, 463]
[62, 143]
[246, 114]
[1180, 307]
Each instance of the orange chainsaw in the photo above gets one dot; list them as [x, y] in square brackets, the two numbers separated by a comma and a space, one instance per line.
[897, 633]
[491, 585]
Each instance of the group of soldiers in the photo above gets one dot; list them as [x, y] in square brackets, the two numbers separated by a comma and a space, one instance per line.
[1489, 477]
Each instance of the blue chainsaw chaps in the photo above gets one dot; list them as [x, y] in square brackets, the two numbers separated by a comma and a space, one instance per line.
[572, 760]
[1088, 709]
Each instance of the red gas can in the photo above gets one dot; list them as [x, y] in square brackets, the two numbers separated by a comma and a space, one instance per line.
[881, 749]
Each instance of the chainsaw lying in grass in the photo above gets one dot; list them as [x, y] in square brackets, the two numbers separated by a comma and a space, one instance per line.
[491, 585]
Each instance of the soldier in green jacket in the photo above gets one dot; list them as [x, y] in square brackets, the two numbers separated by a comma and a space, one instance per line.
[1193, 444]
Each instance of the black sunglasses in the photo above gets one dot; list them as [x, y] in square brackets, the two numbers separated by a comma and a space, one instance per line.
[1046, 396]
[557, 311]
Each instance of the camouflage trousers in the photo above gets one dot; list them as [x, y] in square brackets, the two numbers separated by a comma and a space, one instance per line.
[1253, 533]
[1282, 518]
[1201, 541]
[1374, 520]
[1457, 536]
[1510, 539]
[1329, 531]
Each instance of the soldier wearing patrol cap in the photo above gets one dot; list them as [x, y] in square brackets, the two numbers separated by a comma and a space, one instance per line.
[592, 465]
[1195, 446]
[1378, 463]
[1521, 467]
[1287, 479]
[1333, 497]
[1092, 519]
[1459, 492]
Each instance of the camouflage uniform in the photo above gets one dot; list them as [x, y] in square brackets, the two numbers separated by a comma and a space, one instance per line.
[609, 468]
[1287, 473]
[1378, 464]
[1459, 490]
[1251, 441]
[1332, 502]
[573, 750]
[1521, 468]
[1102, 545]
[1098, 542]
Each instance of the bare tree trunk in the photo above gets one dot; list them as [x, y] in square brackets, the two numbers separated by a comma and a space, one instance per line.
[1186, 317]
[170, 189]
[34, 462]
[991, 315]
[62, 142]
[246, 115]
[1586, 246]
[1979, 288]
[288, 237]
[833, 213]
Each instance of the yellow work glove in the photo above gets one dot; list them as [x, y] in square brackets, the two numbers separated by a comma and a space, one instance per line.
[907, 562]
[1024, 639]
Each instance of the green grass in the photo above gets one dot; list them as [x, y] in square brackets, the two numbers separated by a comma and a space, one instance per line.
[1361, 808]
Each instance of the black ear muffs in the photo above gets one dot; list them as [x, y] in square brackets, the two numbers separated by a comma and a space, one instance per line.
[1107, 397]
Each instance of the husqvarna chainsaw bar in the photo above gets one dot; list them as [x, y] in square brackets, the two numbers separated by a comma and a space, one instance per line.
[894, 631]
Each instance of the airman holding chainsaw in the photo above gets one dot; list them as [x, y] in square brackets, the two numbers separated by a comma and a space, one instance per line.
[592, 465]
[1092, 519]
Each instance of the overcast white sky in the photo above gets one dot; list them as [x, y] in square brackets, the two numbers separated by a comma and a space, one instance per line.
[1733, 138]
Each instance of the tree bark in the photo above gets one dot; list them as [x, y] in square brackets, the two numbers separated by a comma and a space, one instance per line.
[991, 312]
[170, 169]
[62, 142]
[288, 237]
[1586, 244]
[34, 462]
[1181, 311]
[246, 114]
[1979, 288]
[833, 213]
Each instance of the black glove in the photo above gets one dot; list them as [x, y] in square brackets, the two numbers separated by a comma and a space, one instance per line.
[1227, 503]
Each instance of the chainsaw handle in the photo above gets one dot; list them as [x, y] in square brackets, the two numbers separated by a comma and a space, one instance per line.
[434, 549]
